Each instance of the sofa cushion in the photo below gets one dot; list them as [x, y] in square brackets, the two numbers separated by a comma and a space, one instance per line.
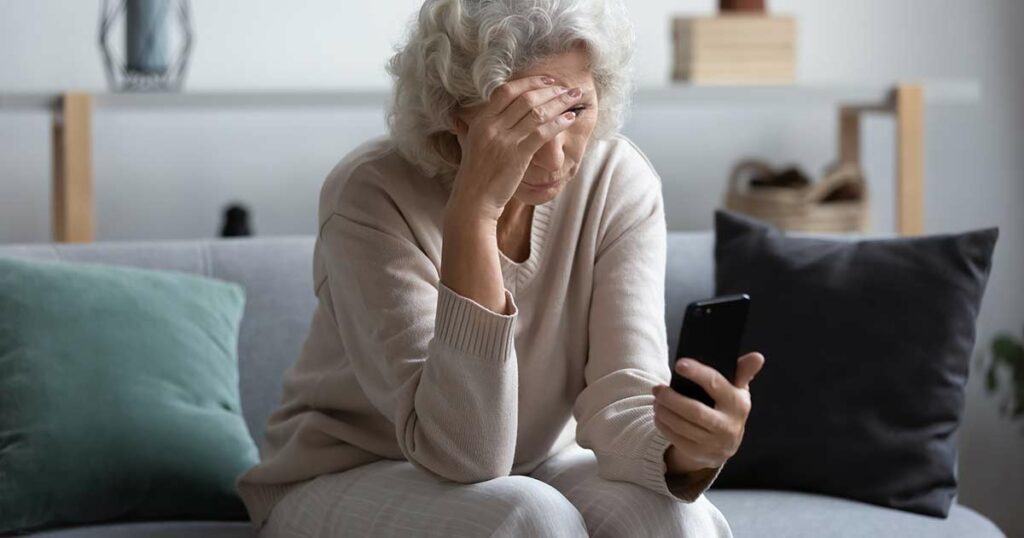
[277, 274]
[867, 346]
[806, 515]
[749, 513]
[156, 529]
[118, 395]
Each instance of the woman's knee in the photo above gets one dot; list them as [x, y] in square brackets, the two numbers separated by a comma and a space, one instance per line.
[698, 518]
[533, 508]
[622, 509]
[405, 497]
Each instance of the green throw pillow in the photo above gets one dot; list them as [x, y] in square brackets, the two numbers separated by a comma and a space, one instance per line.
[118, 395]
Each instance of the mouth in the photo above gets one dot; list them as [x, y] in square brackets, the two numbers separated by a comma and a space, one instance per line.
[541, 185]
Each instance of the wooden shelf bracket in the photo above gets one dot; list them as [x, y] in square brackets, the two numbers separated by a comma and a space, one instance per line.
[72, 169]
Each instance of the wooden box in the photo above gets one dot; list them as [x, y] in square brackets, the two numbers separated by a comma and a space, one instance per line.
[735, 49]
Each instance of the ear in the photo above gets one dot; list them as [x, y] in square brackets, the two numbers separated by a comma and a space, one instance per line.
[461, 128]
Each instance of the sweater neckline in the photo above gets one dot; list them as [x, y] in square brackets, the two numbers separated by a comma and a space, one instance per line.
[518, 273]
[522, 271]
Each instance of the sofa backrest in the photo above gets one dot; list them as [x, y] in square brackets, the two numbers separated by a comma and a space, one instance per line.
[277, 275]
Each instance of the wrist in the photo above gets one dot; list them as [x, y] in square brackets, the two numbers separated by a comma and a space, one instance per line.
[471, 198]
[676, 465]
[463, 215]
[470, 263]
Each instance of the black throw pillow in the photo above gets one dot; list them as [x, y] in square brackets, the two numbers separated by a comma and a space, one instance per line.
[867, 345]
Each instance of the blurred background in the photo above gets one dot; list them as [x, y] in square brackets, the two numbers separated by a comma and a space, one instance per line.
[165, 168]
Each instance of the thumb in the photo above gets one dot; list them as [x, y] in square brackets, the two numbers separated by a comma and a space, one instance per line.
[746, 368]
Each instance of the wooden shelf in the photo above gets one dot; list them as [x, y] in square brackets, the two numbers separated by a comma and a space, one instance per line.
[947, 92]
[941, 92]
[73, 218]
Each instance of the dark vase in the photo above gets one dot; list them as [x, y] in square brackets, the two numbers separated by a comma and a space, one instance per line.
[236, 222]
[147, 36]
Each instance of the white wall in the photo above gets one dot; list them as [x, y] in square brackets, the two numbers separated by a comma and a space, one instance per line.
[168, 174]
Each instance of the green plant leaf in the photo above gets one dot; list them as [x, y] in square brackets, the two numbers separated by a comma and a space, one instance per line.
[1008, 350]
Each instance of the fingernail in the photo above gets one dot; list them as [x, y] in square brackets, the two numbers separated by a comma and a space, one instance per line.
[547, 80]
[576, 92]
[683, 364]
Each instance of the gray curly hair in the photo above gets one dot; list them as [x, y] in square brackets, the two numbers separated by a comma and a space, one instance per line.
[459, 51]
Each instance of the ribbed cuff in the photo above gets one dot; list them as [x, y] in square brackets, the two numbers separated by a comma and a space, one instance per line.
[687, 487]
[467, 326]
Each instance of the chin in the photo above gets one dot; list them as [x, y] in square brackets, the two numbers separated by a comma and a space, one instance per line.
[537, 195]
[531, 195]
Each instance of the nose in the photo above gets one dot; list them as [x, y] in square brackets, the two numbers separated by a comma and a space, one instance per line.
[551, 155]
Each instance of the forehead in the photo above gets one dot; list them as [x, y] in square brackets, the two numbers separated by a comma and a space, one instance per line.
[567, 68]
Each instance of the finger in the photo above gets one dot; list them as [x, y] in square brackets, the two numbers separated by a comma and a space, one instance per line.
[504, 95]
[682, 426]
[694, 411]
[543, 133]
[669, 431]
[691, 448]
[714, 383]
[659, 408]
[747, 368]
[531, 102]
[532, 114]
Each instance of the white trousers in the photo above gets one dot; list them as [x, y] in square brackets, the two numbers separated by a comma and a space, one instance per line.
[562, 497]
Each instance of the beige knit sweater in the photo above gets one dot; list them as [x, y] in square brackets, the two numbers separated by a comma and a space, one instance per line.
[396, 365]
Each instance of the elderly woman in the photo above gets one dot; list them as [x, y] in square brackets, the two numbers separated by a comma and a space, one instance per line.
[490, 281]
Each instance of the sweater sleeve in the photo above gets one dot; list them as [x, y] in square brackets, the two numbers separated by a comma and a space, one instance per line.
[439, 365]
[628, 346]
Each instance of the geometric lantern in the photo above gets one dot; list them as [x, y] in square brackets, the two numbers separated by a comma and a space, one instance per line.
[157, 44]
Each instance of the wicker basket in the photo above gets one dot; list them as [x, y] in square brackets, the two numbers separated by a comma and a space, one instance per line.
[837, 203]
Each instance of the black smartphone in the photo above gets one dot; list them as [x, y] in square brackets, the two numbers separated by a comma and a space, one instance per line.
[711, 333]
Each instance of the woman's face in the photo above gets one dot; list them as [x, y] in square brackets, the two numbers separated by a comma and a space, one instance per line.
[559, 159]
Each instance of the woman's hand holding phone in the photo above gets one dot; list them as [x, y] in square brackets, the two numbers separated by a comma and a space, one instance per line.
[704, 437]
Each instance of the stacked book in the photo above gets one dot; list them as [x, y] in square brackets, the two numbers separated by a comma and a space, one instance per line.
[735, 49]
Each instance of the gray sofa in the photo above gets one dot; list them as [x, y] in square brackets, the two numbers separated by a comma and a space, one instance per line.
[277, 274]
